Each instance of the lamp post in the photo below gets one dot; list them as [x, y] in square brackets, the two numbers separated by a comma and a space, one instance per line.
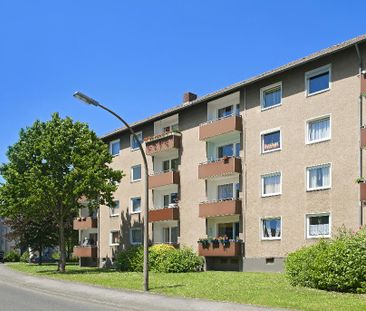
[90, 101]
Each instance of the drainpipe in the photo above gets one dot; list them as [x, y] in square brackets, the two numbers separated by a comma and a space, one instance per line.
[361, 124]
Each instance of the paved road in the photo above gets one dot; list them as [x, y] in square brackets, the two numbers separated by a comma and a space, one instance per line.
[20, 292]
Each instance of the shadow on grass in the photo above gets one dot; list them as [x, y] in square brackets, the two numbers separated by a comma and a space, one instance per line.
[167, 286]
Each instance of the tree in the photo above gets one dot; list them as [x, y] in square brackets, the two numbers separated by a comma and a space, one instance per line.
[52, 166]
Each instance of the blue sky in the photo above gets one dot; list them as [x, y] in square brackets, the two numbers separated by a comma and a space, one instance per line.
[139, 57]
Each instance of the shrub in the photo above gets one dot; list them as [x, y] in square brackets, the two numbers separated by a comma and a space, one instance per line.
[162, 258]
[12, 256]
[337, 265]
[25, 257]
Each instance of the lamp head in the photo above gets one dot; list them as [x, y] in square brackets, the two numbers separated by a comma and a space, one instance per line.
[86, 99]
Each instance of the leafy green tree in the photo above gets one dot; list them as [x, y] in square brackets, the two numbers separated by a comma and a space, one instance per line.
[52, 166]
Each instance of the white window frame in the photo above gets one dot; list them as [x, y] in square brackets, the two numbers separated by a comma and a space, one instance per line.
[262, 184]
[131, 141]
[119, 208]
[110, 147]
[308, 168]
[315, 72]
[132, 167]
[263, 238]
[110, 237]
[261, 136]
[307, 122]
[307, 222]
[267, 88]
[131, 205]
[142, 238]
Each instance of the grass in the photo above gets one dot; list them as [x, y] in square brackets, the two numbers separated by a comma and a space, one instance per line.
[265, 289]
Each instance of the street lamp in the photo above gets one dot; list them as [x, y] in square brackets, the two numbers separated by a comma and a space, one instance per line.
[90, 101]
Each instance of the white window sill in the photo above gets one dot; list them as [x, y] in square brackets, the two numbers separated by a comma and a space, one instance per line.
[136, 180]
[114, 244]
[318, 189]
[271, 239]
[318, 237]
[316, 93]
[271, 107]
[273, 150]
[114, 215]
[138, 212]
[271, 195]
[317, 141]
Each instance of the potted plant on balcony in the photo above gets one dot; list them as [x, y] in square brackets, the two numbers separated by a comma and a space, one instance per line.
[204, 242]
[360, 180]
[224, 240]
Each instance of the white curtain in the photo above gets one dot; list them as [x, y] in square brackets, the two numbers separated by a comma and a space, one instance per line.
[319, 177]
[321, 229]
[319, 129]
[225, 192]
[272, 228]
[271, 184]
[272, 97]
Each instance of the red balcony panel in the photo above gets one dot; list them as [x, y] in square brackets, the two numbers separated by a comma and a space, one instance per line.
[85, 223]
[234, 249]
[164, 179]
[220, 208]
[220, 127]
[164, 214]
[163, 142]
[224, 166]
[86, 251]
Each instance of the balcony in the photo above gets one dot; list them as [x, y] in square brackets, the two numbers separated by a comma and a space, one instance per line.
[163, 179]
[86, 251]
[221, 167]
[218, 249]
[221, 126]
[81, 223]
[220, 208]
[163, 142]
[161, 214]
[363, 137]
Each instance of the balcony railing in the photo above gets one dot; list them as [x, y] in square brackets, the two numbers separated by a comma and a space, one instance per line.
[163, 179]
[90, 251]
[167, 213]
[163, 142]
[220, 167]
[228, 124]
[218, 248]
[81, 223]
[363, 137]
[362, 191]
[220, 208]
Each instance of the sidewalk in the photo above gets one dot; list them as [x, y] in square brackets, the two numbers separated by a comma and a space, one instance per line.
[127, 300]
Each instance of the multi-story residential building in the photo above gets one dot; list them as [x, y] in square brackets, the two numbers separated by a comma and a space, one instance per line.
[268, 163]
[6, 244]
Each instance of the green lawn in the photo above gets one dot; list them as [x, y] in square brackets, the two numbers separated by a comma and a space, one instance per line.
[266, 289]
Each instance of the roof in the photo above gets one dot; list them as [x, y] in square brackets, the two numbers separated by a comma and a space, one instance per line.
[236, 86]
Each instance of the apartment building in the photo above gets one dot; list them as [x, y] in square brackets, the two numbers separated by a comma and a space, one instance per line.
[5, 243]
[246, 174]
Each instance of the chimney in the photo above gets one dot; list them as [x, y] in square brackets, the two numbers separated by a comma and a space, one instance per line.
[188, 97]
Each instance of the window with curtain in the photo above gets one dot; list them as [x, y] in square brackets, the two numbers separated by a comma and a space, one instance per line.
[271, 184]
[224, 112]
[114, 147]
[271, 228]
[174, 235]
[225, 151]
[134, 142]
[318, 225]
[225, 192]
[136, 173]
[136, 235]
[136, 205]
[114, 210]
[272, 97]
[271, 141]
[166, 235]
[319, 130]
[318, 177]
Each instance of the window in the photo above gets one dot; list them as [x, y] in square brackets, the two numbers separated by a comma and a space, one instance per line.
[114, 147]
[136, 173]
[136, 205]
[271, 141]
[318, 226]
[134, 142]
[114, 238]
[318, 80]
[225, 192]
[171, 128]
[229, 230]
[318, 177]
[228, 150]
[114, 210]
[170, 235]
[174, 197]
[136, 235]
[271, 184]
[224, 112]
[271, 96]
[170, 199]
[271, 228]
[170, 165]
[318, 130]
[166, 200]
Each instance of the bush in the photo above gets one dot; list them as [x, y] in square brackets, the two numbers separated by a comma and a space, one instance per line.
[12, 256]
[25, 257]
[162, 258]
[337, 265]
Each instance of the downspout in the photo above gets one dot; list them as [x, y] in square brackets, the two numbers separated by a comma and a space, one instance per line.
[361, 125]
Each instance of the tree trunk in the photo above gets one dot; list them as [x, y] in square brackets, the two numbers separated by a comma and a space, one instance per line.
[62, 262]
[40, 255]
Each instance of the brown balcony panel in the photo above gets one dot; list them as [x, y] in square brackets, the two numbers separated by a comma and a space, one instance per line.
[225, 166]
[363, 138]
[164, 179]
[165, 143]
[220, 208]
[362, 191]
[85, 251]
[85, 223]
[220, 250]
[163, 214]
[219, 127]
